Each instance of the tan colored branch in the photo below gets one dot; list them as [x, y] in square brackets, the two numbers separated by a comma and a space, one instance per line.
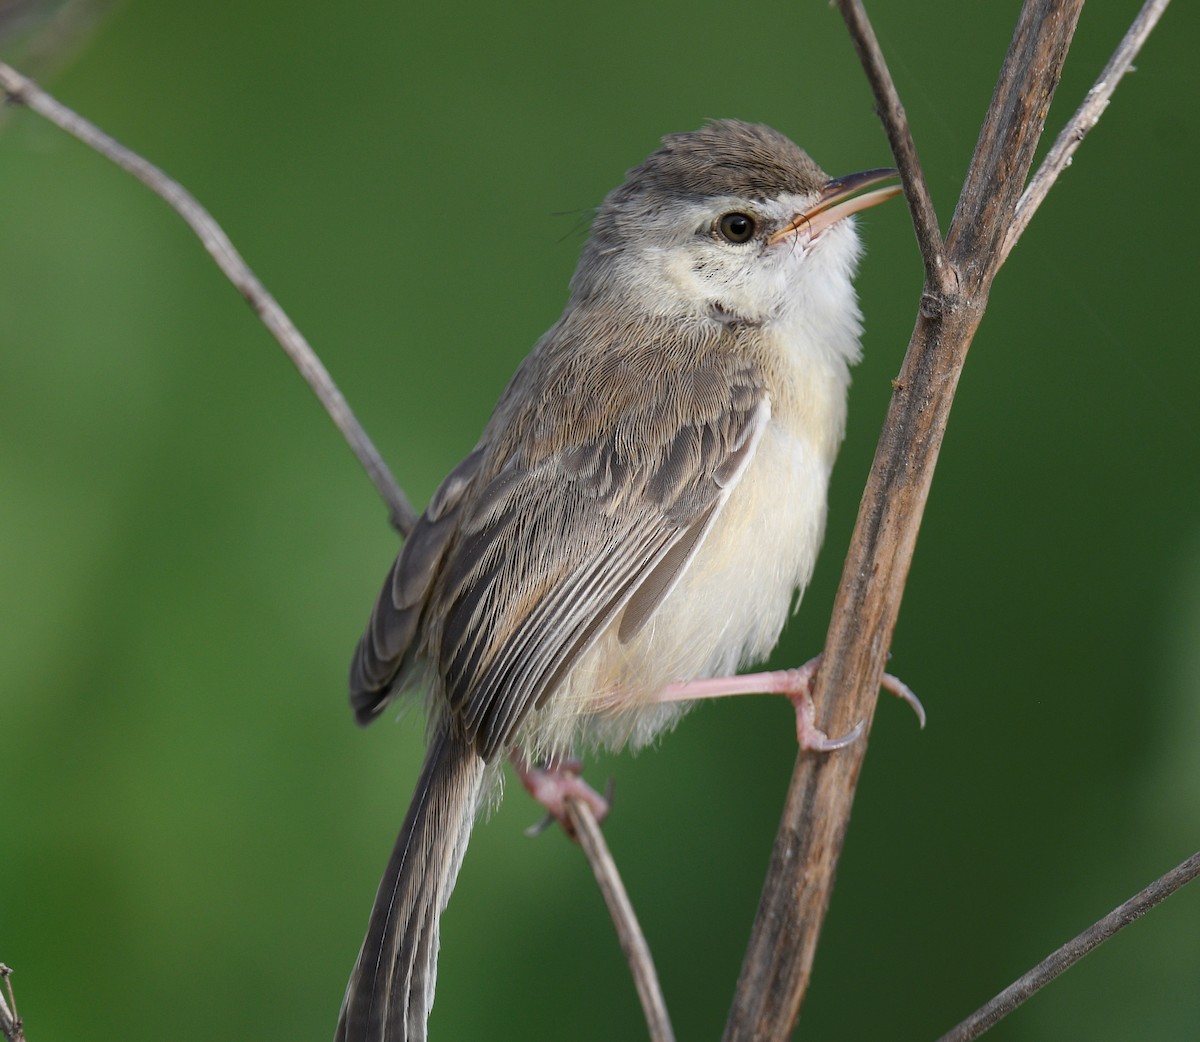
[895, 124]
[20, 89]
[799, 882]
[1086, 117]
[629, 933]
[1075, 949]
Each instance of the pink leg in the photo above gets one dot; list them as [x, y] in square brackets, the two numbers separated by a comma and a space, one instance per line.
[551, 784]
[796, 684]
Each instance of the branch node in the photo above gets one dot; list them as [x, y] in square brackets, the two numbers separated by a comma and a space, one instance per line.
[940, 303]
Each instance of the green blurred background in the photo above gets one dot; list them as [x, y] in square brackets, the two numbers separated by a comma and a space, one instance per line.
[193, 827]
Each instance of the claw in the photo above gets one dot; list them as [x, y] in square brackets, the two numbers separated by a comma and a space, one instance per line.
[552, 786]
[897, 687]
[810, 737]
[538, 827]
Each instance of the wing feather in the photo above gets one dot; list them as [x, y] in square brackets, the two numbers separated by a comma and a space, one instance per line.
[564, 549]
[583, 504]
[388, 647]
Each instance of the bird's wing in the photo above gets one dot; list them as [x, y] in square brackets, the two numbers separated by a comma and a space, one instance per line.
[387, 648]
[551, 551]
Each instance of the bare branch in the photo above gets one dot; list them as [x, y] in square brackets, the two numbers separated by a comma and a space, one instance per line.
[799, 882]
[1074, 950]
[11, 1026]
[629, 933]
[895, 123]
[1086, 117]
[20, 89]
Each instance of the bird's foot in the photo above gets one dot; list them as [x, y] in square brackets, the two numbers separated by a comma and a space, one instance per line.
[552, 785]
[796, 685]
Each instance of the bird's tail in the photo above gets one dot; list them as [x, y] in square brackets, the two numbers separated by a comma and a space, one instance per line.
[391, 989]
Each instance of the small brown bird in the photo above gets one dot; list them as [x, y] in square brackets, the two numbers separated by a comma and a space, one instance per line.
[637, 518]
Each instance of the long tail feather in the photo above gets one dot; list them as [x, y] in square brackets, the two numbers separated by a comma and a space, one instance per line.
[391, 989]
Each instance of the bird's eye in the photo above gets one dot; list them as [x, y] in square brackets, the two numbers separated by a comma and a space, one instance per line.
[736, 227]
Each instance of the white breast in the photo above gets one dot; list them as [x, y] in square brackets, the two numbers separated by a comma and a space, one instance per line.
[729, 606]
[731, 603]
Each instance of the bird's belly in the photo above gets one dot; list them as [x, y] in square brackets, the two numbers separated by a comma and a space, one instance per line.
[732, 600]
[726, 610]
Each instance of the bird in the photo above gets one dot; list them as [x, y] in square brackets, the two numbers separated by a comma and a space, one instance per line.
[641, 512]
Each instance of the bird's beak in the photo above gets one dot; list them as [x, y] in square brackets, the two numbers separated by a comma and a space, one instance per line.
[838, 200]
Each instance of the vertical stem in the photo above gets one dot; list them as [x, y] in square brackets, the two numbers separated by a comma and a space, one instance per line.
[799, 882]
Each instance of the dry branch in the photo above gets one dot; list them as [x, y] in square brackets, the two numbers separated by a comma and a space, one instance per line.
[21, 90]
[1074, 950]
[1085, 118]
[799, 882]
[11, 1026]
[629, 933]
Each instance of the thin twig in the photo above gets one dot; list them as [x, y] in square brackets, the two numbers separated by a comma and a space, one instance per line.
[799, 883]
[629, 933]
[1074, 950]
[20, 89]
[938, 273]
[1086, 117]
[11, 1026]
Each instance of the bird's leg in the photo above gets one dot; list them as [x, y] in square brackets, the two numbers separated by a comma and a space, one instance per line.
[551, 784]
[796, 684]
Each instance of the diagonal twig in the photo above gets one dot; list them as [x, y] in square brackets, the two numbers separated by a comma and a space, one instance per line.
[797, 890]
[1086, 117]
[1074, 950]
[20, 89]
[629, 933]
[895, 124]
